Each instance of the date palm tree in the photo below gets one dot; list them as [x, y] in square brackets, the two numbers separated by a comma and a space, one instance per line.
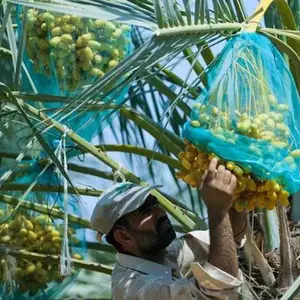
[148, 121]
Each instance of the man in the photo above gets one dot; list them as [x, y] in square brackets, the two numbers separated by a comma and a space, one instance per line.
[151, 263]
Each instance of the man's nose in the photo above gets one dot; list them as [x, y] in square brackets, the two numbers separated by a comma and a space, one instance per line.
[159, 211]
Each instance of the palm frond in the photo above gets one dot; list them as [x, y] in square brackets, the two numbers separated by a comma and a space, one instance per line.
[120, 11]
[292, 54]
[10, 32]
[240, 10]
[50, 188]
[6, 10]
[292, 291]
[143, 152]
[22, 42]
[295, 7]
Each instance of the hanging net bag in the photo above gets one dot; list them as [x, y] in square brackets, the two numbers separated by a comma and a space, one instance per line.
[65, 54]
[32, 236]
[71, 51]
[248, 116]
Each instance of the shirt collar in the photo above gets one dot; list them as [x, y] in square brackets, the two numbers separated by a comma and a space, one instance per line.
[144, 266]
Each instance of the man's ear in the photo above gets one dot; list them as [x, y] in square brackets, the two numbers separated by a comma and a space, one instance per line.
[123, 237]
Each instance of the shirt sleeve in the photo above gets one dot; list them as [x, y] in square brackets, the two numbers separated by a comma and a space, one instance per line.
[216, 283]
[211, 281]
[150, 288]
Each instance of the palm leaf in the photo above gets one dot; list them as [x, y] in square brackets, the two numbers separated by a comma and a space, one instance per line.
[10, 32]
[121, 11]
[21, 51]
[295, 7]
[240, 10]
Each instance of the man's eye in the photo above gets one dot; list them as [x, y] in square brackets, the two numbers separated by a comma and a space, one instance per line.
[146, 210]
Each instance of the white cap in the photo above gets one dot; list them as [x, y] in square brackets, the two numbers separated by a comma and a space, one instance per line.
[117, 201]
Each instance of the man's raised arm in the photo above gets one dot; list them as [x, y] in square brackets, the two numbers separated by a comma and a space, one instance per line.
[217, 192]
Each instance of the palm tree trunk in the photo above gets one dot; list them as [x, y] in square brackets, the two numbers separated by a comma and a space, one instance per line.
[287, 257]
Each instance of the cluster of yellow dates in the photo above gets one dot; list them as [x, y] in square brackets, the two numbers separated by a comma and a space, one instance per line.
[34, 234]
[249, 193]
[264, 123]
[79, 49]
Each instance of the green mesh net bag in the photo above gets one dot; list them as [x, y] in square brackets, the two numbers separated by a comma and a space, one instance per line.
[248, 116]
[71, 51]
[66, 54]
[31, 241]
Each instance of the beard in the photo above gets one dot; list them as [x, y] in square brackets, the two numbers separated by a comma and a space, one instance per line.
[150, 242]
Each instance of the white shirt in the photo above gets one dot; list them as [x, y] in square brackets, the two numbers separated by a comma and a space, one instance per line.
[185, 261]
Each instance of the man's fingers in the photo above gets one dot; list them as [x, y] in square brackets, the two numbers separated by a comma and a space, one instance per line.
[220, 172]
[227, 177]
[202, 179]
[233, 181]
[221, 168]
[212, 168]
[213, 165]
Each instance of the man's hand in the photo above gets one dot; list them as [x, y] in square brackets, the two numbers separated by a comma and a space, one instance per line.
[218, 187]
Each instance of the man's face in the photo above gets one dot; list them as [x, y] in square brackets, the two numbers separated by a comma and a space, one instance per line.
[150, 227]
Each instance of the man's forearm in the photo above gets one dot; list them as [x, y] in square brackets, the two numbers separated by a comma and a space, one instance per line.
[222, 252]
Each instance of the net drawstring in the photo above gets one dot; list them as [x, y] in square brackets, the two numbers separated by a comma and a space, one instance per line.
[9, 284]
[66, 266]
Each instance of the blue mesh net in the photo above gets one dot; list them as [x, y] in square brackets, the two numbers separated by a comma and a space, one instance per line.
[249, 112]
[37, 233]
[65, 53]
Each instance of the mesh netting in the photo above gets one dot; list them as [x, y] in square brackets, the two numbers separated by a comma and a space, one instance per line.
[37, 233]
[250, 112]
[65, 54]
[248, 116]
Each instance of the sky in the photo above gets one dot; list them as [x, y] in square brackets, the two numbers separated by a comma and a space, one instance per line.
[250, 6]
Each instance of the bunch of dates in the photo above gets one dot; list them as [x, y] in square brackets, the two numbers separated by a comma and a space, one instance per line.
[250, 192]
[36, 234]
[76, 50]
